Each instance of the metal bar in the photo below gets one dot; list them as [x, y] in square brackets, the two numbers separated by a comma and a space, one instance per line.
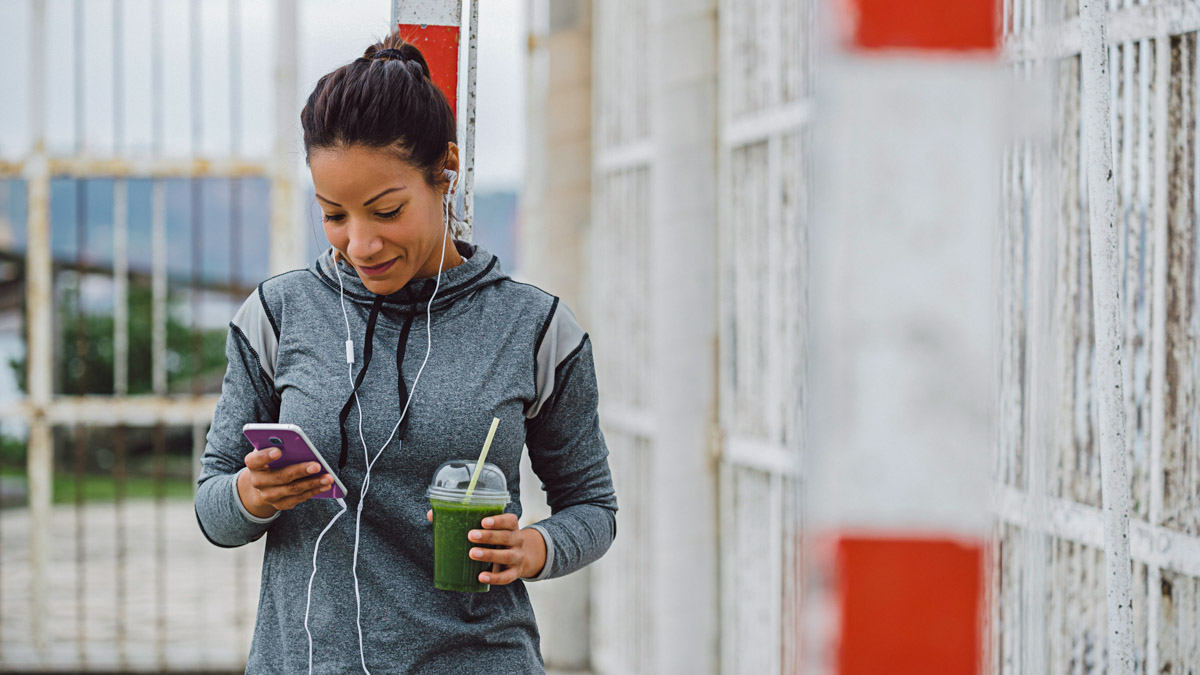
[39, 458]
[760, 125]
[77, 430]
[136, 411]
[1158, 331]
[284, 216]
[242, 629]
[94, 269]
[628, 419]
[122, 597]
[196, 213]
[235, 141]
[80, 146]
[203, 603]
[1069, 520]
[80, 548]
[1130, 24]
[629, 155]
[160, 547]
[1106, 299]
[472, 70]
[765, 456]
[120, 287]
[158, 212]
[775, 641]
[158, 319]
[145, 167]
[196, 226]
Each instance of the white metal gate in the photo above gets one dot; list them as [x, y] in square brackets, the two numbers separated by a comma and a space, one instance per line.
[622, 627]
[130, 584]
[764, 93]
[1048, 587]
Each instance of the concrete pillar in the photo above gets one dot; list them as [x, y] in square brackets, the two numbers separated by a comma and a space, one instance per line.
[555, 213]
[680, 52]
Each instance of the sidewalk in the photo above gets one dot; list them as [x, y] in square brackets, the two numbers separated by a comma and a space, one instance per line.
[144, 630]
[200, 582]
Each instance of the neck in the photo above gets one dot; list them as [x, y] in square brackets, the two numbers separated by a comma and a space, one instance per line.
[453, 259]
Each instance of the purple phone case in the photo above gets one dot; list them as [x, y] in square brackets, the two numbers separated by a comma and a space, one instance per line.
[295, 450]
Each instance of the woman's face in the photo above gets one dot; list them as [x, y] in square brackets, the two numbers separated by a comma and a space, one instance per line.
[381, 215]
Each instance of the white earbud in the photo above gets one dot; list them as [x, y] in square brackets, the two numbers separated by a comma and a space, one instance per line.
[452, 176]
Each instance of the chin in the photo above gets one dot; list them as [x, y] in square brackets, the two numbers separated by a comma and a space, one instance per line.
[382, 287]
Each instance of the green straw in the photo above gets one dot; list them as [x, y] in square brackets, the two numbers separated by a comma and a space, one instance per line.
[482, 456]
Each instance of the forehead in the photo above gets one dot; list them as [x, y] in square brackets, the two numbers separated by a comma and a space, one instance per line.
[354, 175]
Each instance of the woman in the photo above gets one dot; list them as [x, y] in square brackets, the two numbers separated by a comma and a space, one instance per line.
[379, 139]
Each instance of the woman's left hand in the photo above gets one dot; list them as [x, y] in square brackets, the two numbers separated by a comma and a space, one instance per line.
[520, 553]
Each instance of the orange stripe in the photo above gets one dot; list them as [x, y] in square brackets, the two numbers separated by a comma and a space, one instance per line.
[908, 606]
[439, 46]
[925, 24]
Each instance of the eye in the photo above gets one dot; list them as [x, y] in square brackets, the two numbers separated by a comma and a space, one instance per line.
[330, 219]
[390, 214]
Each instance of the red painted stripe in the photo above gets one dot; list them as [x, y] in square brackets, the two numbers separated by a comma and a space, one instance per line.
[439, 46]
[908, 606]
[925, 24]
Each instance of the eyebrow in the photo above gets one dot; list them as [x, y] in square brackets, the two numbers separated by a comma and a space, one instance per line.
[368, 202]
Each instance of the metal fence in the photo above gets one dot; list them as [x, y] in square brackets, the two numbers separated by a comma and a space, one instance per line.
[1048, 609]
[122, 263]
[764, 90]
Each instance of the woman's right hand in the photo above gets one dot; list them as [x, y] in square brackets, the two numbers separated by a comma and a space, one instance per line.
[265, 490]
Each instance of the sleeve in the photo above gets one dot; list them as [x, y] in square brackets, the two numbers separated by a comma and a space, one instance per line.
[567, 449]
[247, 395]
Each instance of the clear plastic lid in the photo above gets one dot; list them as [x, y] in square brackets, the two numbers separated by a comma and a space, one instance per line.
[451, 479]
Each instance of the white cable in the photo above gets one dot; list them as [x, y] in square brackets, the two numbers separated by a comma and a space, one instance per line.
[366, 452]
[342, 502]
[314, 576]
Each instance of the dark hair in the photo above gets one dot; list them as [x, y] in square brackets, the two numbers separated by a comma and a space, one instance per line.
[384, 99]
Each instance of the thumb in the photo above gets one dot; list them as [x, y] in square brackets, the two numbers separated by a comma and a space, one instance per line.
[429, 515]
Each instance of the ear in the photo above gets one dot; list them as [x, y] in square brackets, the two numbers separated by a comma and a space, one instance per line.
[451, 161]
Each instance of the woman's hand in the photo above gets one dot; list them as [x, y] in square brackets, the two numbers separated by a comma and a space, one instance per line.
[265, 490]
[521, 553]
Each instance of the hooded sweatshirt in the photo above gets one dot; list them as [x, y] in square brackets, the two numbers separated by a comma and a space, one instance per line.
[500, 349]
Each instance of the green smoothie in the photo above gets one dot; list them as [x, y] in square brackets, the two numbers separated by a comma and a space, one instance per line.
[453, 567]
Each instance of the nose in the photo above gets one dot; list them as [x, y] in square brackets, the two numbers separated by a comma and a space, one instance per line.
[364, 242]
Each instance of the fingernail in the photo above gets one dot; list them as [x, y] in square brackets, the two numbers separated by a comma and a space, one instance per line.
[475, 535]
[327, 480]
[275, 453]
[475, 553]
[487, 522]
[313, 468]
[485, 578]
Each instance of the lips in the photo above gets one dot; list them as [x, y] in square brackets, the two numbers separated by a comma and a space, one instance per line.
[378, 269]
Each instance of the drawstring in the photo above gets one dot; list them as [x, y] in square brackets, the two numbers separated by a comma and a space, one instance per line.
[400, 347]
[368, 345]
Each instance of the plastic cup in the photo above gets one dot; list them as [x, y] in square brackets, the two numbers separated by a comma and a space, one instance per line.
[455, 514]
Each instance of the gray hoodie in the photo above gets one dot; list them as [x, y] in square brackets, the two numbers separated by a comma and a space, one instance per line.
[500, 349]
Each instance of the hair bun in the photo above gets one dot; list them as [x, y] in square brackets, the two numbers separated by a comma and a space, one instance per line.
[389, 53]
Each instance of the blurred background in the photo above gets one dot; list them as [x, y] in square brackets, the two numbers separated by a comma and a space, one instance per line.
[836, 259]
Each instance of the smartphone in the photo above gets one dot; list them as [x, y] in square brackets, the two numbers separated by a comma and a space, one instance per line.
[296, 448]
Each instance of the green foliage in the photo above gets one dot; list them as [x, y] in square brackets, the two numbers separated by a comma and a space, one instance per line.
[12, 451]
[86, 363]
[103, 488]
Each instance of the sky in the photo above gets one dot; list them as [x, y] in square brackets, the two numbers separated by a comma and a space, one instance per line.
[331, 33]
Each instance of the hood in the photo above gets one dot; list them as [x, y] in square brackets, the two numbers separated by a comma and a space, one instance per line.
[480, 268]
